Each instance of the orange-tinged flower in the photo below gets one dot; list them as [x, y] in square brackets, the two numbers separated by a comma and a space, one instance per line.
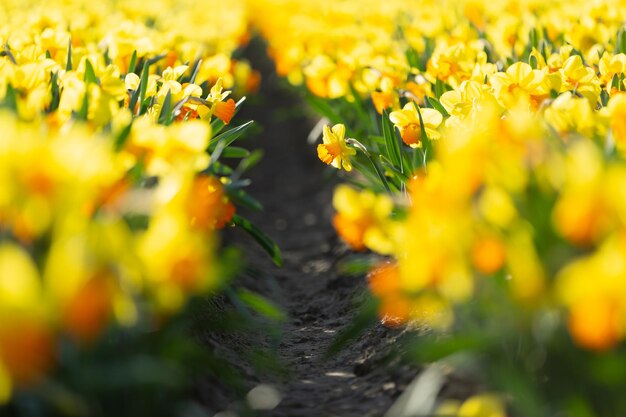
[109, 196]
[594, 291]
[398, 307]
[395, 310]
[177, 259]
[87, 312]
[384, 282]
[407, 121]
[578, 216]
[384, 279]
[38, 181]
[224, 110]
[186, 269]
[595, 324]
[186, 113]
[419, 90]
[334, 151]
[363, 219]
[488, 255]
[351, 230]
[383, 100]
[26, 350]
[207, 205]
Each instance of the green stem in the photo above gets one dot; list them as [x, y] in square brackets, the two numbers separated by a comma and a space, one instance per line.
[363, 149]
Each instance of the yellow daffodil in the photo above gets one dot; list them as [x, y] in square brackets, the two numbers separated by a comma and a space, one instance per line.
[568, 114]
[520, 82]
[363, 219]
[611, 65]
[334, 151]
[580, 78]
[469, 97]
[407, 121]
[597, 307]
[617, 112]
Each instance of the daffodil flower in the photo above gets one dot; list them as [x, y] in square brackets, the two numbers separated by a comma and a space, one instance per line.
[216, 95]
[460, 103]
[581, 78]
[520, 82]
[223, 110]
[334, 151]
[407, 121]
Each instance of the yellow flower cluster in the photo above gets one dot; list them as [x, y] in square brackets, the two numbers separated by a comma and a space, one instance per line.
[378, 47]
[525, 102]
[106, 211]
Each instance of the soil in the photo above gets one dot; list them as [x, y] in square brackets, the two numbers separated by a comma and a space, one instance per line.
[295, 189]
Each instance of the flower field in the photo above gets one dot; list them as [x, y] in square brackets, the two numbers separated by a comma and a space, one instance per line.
[480, 155]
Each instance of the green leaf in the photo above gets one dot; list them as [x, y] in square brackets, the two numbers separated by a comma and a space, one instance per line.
[357, 265]
[391, 142]
[140, 93]
[155, 59]
[194, 72]
[430, 350]
[620, 42]
[83, 112]
[137, 221]
[8, 54]
[426, 145]
[533, 38]
[54, 92]
[218, 168]
[615, 82]
[387, 164]
[167, 116]
[604, 98]
[250, 161]
[68, 64]
[242, 199]
[122, 137]
[366, 167]
[133, 62]
[136, 172]
[107, 58]
[229, 136]
[413, 58]
[379, 140]
[436, 104]
[261, 305]
[262, 239]
[90, 74]
[235, 152]
[10, 98]
[143, 87]
[439, 88]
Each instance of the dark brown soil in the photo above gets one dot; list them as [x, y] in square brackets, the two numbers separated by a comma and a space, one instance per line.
[296, 190]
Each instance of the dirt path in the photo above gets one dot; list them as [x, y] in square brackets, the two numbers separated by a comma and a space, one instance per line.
[296, 191]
